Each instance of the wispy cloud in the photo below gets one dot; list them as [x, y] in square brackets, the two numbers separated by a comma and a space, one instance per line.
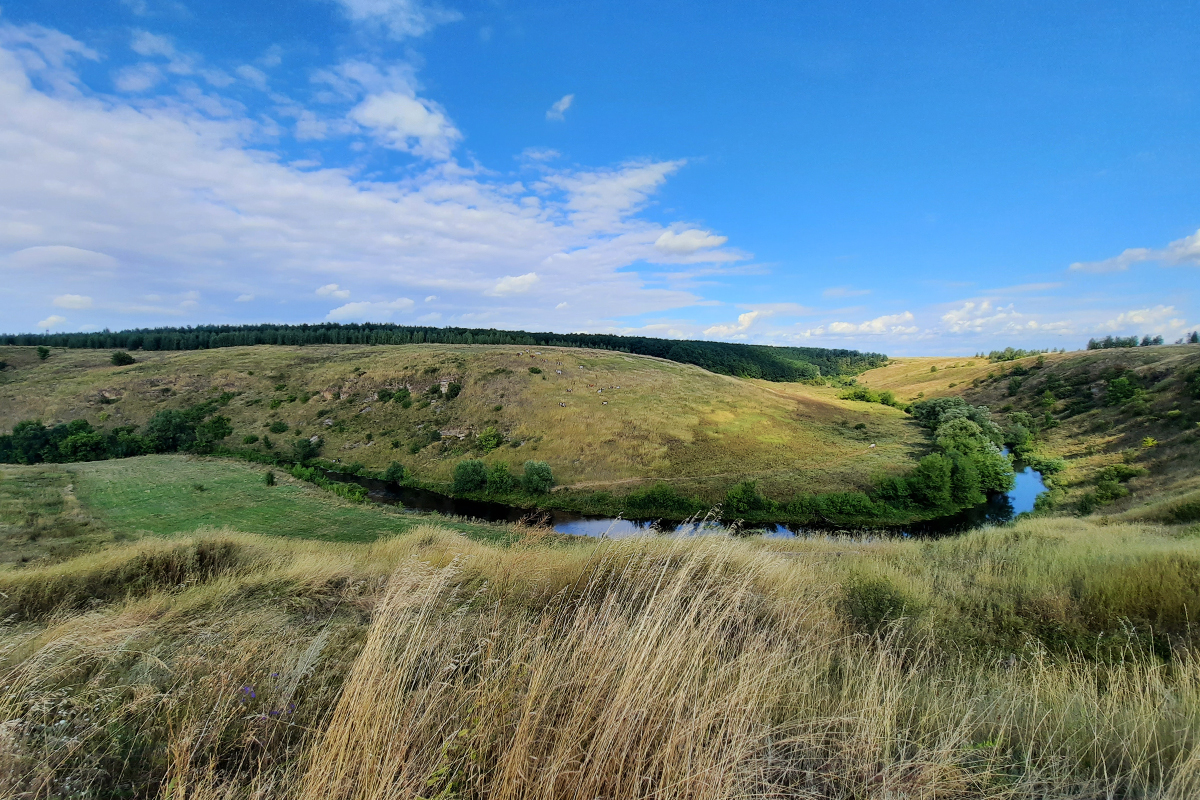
[1179, 252]
[556, 111]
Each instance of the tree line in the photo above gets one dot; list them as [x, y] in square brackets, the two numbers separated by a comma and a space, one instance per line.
[741, 360]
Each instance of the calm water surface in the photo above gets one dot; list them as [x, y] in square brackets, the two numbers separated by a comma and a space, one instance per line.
[998, 509]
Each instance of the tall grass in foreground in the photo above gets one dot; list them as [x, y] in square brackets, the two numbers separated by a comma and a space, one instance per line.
[429, 666]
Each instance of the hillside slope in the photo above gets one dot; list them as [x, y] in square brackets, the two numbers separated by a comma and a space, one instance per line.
[601, 419]
[1126, 421]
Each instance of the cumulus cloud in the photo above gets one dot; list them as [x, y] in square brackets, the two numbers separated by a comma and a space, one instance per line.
[556, 111]
[172, 198]
[1159, 319]
[73, 301]
[894, 324]
[982, 315]
[744, 321]
[332, 290]
[401, 19]
[244, 298]
[431, 298]
[52, 321]
[1177, 253]
[688, 241]
[510, 284]
[368, 312]
[406, 122]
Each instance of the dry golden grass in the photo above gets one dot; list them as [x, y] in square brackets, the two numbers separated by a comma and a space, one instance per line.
[433, 666]
[654, 420]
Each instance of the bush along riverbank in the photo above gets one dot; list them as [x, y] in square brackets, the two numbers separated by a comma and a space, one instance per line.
[966, 465]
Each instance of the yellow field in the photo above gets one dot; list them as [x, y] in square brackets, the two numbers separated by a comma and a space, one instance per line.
[602, 420]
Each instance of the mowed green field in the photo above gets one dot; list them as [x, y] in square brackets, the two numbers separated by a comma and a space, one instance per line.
[603, 420]
[53, 510]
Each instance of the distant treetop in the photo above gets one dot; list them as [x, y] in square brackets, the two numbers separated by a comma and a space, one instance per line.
[743, 360]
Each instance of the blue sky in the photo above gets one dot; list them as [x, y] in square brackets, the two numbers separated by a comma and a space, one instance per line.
[915, 177]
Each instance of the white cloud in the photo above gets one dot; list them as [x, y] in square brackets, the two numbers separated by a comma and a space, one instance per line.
[976, 317]
[244, 298]
[1179, 252]
[73, 301]
[431, 298]
[1159, 319]
[844, 291]
[252, 75]
[406, 122]
[368, 312]
[514, 285]
[893, 324]
[62, 258]
[744, 321]
[561, 306]
[332, 290]
[401, 18]
[52, 321]
[137, 78]
[688, 241]
[557, 110]
[172, 199]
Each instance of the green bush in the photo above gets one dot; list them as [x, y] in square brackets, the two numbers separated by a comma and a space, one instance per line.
[385, 395]
[122, 359]
[538, 477]
[535, 370]
[395, 472]
[43, 352]
[278, 426]
[500, 480]
[304, 449]
[470, 475]
[489, 439]
[745, 499]
[875, 601]
[453, 390]
[269, 478]
[660, 498]
[250, 439]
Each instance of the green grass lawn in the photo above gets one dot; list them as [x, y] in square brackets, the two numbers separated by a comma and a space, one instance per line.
[162, 495]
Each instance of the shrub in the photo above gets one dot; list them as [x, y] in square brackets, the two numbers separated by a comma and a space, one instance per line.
[538, 477]
[43, 352]
[470, 475]
[1149, 442]
[1120, 391]
[385, 395]
[872, 602]
[278, 426]
[304, 449]
[395, 472]
[250, 439]
[535, 370]
[659, 498]
[453, 390]
[122, 359]
[489, 439]
[354, 468]
[267, 443]
[499, 479]
[745, 499]
[269, 478]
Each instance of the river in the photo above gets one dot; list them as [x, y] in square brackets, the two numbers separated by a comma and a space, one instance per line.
[997, 509]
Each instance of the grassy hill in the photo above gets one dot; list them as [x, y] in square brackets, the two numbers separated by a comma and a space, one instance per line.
[1049, 659]
[601, 419]
[1126, 421]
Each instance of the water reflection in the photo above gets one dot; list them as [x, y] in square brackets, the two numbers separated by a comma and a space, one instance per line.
[998, 509]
